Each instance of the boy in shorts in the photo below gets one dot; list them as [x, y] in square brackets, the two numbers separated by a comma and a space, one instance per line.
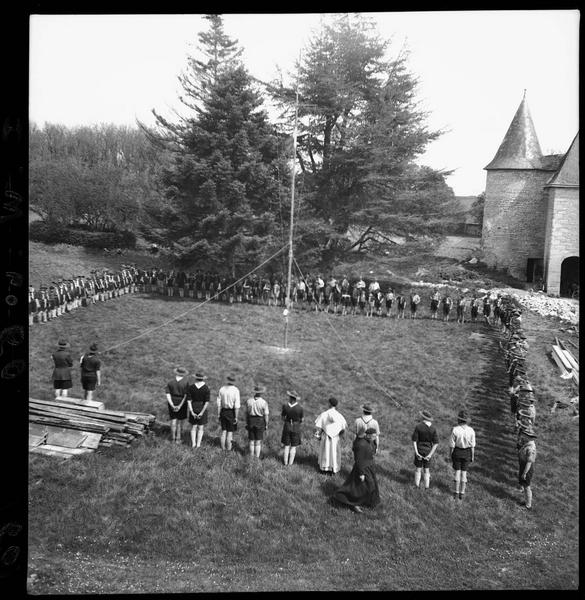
[462, 444]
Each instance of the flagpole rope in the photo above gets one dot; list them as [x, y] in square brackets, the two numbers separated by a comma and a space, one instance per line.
[198, 305]
[373, 379]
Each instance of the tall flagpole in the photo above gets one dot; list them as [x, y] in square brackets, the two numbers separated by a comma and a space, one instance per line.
[292, 212]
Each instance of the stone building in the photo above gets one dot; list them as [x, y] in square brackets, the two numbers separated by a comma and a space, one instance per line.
[531, 214]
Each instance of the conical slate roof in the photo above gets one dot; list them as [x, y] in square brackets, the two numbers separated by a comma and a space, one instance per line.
[568, 173]
[520, 148]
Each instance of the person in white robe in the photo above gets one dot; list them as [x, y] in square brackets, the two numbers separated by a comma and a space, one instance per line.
[330, 425]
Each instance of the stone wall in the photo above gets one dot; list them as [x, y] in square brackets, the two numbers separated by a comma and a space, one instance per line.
[562, 233]
[514, 219]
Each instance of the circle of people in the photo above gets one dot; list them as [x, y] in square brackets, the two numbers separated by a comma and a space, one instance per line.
[337, 296]
[189, 400]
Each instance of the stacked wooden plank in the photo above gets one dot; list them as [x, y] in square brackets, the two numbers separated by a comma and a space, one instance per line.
[566, 361]
[72, 426]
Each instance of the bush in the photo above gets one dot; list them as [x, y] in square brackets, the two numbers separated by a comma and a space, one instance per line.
[51, 233]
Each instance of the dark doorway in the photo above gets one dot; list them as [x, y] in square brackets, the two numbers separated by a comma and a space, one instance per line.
[534, 270]
[570, 276]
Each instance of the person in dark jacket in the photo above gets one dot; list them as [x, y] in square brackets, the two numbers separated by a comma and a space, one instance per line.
[62, 370]
[90, 372]
[198, 395]
[361, 486]
[425, 441]
[292, 415]
[176, 392]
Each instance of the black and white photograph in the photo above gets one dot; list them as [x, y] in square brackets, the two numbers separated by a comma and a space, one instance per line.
[303, 302]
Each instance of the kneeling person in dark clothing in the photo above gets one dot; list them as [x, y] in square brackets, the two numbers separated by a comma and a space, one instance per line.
[361, 486]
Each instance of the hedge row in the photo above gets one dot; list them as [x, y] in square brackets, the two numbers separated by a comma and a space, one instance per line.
[58, 234]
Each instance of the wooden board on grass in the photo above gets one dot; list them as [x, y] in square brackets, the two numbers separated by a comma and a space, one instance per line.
[36, 440]
[82, 402]
[48, 452]
[71, 451]
[558, 351]
[92, 440]
[37, 429]
[67, 438]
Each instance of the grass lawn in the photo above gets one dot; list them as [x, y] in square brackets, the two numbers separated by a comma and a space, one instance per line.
[157, 517]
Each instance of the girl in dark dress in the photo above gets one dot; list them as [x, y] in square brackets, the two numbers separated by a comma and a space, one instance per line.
[198, 395]
[62, 371]
[176, 392]
[361, 486]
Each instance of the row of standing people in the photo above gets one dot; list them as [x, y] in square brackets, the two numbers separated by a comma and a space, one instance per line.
[313, 292]
[89, 368]
[47, 302]
[189, 399]
[521, 394]
[339, 296]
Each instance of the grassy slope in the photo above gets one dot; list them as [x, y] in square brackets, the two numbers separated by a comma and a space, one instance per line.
[157, 517]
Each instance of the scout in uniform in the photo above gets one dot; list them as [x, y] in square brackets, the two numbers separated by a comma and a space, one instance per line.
[526, 460]
[292, 415]
[90, 366]
[63, 362]
[198, 396]
[425, 441]
[462, 444]
[228, 406]
[176, 393]
[257, 414]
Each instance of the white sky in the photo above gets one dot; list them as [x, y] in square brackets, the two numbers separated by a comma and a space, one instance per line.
[472, 67]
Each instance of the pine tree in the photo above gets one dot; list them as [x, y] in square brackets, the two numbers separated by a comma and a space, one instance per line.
[362, 127]
[224, 183]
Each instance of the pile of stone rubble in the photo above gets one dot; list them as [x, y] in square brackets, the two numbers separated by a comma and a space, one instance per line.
[563, 308]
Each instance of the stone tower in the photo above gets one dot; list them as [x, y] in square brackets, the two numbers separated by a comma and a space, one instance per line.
[514, 222]
[561, 249]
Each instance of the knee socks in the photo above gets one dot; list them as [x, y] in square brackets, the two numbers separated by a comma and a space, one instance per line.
[417, 476]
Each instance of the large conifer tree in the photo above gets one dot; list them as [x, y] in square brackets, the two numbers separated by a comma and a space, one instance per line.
[222, 179]
[362, 130]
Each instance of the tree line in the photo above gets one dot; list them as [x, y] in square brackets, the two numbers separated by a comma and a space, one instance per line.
[214, 182]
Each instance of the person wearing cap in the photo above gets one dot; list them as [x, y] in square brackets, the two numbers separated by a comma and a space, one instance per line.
[90, 366]
[474, 308]
[526, 459]
[257, 413]
[292, 415]
[330, 425]
[32, 305]
[425, 441]
[62, 370]
[43, 305]
[400, 306]
[176, 392]
[198, 396]
[526, 412]
[361, 486]
[461, 304]
[414, 302]
[447, 305]
[435, 299]
[462, 444]
[366, 420]
[487, 309]
[228, 406]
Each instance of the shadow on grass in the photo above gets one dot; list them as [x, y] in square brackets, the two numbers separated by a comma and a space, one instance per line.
[489, 407]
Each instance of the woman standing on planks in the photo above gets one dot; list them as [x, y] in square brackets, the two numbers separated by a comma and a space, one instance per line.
[62, 371]
[90, 372]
